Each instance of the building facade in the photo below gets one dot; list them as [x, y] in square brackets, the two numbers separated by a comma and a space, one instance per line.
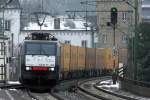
[80, 38]
[69, 31]
[9, 31]
[125, 24]
[129, 15]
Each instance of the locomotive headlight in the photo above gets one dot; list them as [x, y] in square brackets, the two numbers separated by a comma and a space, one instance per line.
[52, 69]
[27, 68]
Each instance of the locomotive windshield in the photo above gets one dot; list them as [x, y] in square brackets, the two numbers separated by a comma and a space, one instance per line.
[40, 48]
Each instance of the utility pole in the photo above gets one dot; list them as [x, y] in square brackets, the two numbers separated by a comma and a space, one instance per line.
[135, 6]
[12, 40]
[136, 39]
[114, 46]
[114, 17]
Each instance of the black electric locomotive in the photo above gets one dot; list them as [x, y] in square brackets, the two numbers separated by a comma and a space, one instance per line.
[39, 61]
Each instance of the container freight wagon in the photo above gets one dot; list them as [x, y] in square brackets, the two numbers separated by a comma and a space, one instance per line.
[123, 56]
[90, 61]
[72, 61]
[78, 61]
[65, 60]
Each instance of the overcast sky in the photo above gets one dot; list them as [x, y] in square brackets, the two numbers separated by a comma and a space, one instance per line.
[54, 6]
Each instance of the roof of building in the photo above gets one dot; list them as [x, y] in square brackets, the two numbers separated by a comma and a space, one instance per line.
[64, 24]
[14, 4]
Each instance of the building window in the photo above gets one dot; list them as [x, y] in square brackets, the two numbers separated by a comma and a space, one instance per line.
[1, 24]
[125, 39]
[7, 25]
[84, 43]
[104, 38]
[124, 16]
[67, 42]
[2, 50]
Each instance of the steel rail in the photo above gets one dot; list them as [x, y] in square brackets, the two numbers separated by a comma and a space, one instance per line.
[13, 86]
[102, 90]
[31, 95]
[90, 93]
[56, 96]
[115, 94]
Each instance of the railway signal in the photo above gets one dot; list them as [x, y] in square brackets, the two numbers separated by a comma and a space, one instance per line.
[114, 15]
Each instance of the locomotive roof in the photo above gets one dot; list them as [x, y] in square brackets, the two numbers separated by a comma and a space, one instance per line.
[40, 41]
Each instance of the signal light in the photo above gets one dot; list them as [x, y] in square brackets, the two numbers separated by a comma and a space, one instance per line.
[114, 15]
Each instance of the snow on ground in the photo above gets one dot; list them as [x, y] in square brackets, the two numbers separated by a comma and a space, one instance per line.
[108, 84]
[13, 89]
[13, 82]
[65, 24]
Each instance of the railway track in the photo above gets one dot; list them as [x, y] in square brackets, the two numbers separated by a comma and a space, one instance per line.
[67, 90]
[19, 92]
[41, 96]
[81, 89]
[89, 87]
[11, 86]
[84, 91]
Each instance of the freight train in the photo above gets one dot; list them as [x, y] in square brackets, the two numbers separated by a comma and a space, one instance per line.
[44, 61]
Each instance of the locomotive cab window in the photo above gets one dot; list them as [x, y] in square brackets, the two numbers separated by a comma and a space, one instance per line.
[48, 49]
[40, 49]
[32, 48]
